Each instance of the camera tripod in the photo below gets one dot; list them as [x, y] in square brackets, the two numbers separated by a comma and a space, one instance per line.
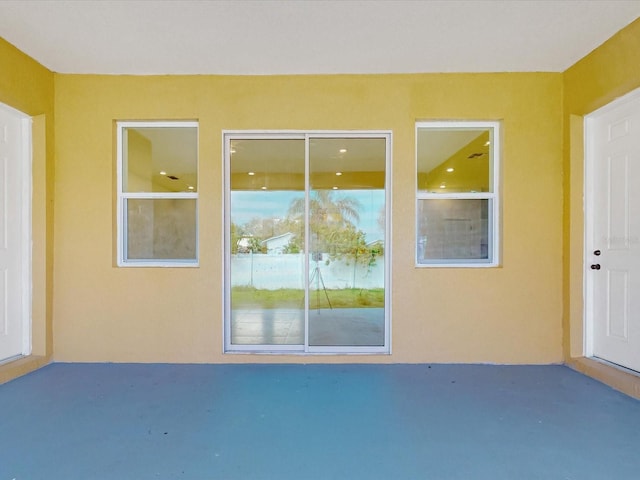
[317, 276]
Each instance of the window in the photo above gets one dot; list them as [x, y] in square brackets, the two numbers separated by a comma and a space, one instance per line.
[157, 193]
[306, 222]
[457, 193]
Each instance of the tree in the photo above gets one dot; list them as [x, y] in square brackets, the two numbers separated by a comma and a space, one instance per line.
[382, 218]
[265, 227]
[350, 244]
[332, 224]
[331, 217]
[236, 235]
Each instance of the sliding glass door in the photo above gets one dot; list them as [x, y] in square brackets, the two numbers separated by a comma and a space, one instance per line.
[347, 238]
[267, 268]
[306, 242]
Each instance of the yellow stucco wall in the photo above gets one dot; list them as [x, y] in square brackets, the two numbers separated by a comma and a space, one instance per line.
[510, 314]
[527, 311]
[610, 71]
[28, 86]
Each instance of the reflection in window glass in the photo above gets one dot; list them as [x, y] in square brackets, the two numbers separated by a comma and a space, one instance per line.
[160, 159]
[457, 200]
[306, 232]
[157, 193]
[453, 160]
[346, 222]
[453, 229]
[161, 229]
[267, 205]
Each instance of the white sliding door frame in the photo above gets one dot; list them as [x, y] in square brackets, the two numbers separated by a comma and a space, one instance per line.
[305, 349]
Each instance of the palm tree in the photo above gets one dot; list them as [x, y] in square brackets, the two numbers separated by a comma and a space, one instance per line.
[327, 207]
[329, 216]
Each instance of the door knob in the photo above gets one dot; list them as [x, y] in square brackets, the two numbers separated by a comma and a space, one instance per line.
[595, 266]
[597, 253]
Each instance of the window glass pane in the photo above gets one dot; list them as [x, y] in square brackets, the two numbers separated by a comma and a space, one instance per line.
[347, 244]
[452, 160]
[160, 159]
[160, 229]
[267, 207]
[453, 229]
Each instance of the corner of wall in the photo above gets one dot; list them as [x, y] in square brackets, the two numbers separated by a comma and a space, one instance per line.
[608, 72]
[28, 86]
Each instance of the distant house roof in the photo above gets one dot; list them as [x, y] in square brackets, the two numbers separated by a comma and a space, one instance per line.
[286, 236]
[276, 244]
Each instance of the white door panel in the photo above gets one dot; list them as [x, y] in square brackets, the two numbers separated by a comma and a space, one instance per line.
[613, 249]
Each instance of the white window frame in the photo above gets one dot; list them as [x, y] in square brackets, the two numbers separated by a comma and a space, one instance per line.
[124, 196]
[493, 196]
[306, 349]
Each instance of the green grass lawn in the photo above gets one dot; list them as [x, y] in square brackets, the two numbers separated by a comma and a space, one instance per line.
[249, 297]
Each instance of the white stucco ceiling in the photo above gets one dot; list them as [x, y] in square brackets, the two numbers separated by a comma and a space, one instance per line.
[308, 36]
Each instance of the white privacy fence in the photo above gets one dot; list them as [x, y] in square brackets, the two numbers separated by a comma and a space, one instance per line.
[273, 271]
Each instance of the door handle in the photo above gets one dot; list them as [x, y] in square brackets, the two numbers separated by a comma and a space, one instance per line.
[595, 266]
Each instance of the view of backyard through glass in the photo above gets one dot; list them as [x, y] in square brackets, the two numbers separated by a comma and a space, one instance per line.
[270, 258]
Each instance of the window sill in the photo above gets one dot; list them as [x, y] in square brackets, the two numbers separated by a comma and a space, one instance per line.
[153, 264]
[457, 265]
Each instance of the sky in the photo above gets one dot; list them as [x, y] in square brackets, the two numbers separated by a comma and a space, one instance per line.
[246, 205]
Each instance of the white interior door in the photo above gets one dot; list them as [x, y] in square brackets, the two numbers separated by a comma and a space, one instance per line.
[15, 173]
[612, 258]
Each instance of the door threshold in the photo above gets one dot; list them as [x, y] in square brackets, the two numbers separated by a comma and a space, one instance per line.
[617, 377]
[617, 366]
[14, 367]
[11, 359]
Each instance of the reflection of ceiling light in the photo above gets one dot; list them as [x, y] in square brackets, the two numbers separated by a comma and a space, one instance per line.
[263, 188]
[450, 169]
[335, 188]
[487, 144]
[338, 173]
[443, 186]
[233, 150]
[251, 173]
[190, 187]
[162, 172]
[343, 150]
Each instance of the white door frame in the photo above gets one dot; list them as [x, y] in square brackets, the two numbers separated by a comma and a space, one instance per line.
[26, 192]
[589, 208]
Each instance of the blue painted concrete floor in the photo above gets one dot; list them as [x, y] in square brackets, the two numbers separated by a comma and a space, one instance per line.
[285, 422]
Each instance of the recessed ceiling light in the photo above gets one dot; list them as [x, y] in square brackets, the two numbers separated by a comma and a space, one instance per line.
[487, 144]
[343, 150]
[450, 169]
[338, 173]
[335, 188]
[190, 187]
[162, 172]
[443, 186]
[263, 188]
[251, 173]
[233, 150]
